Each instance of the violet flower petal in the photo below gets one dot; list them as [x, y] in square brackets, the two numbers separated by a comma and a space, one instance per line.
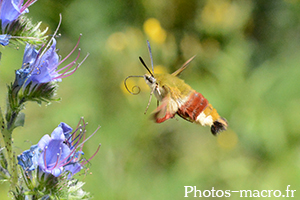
[44, 141]
[10, 11]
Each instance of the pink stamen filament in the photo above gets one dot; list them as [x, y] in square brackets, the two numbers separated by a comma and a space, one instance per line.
[61, 163]
[79, 64]
[57, 160]
[69, 66]
[71, 51]
[71, 72]
[81, 144]
[80, 129]
[73, 135]
[81, 119]
[78, 138]
[26, 5]
[83, 140]
[45, 163]
[76, 146]
[85, 162]
[67, 73]
[54, 34]
[71, 153]
[20, 4]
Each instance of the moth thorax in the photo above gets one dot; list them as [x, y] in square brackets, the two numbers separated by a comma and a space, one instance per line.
[150, 80]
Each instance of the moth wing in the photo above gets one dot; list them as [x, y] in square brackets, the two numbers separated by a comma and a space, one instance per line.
[166, 110]
[178, 71]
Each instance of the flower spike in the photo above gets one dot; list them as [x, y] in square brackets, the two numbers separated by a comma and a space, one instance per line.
[60, 152]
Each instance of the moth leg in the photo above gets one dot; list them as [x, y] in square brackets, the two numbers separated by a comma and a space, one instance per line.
[151, 93]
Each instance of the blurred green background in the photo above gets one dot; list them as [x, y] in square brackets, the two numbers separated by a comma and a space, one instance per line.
[247, 66]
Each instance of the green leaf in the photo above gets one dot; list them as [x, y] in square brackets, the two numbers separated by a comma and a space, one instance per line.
[20, 120]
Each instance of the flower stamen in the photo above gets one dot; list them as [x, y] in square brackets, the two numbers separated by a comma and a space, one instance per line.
[71, 51]
[26, 5]
[85, 162]
[57, 159]
[45, 162]
[54, 34]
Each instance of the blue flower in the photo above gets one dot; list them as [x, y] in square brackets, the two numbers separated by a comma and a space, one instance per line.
[29, 158]
[10, 10]
[42, 66]
[29, 58]
[4, 39]
[67, 130]
[54, 152]
[58, 153]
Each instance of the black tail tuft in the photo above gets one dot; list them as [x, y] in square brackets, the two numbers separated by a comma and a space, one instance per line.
[218, 126]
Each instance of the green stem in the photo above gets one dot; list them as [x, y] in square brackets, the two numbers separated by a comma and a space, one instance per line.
[12, 165]
[6, 130]
[4, 171]
[14, 106]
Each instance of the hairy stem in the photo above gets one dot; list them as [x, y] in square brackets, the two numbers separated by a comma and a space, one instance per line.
[11, 157]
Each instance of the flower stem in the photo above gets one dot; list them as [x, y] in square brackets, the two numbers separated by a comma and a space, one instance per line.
[13, 110]
[12, 165]
[7, 138]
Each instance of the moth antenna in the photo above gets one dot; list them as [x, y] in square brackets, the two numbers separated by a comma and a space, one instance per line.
[131, 92]
[142, 61]
[149, 100]
[150, 53]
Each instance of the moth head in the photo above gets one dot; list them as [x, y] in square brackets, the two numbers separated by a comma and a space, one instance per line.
[150, 80]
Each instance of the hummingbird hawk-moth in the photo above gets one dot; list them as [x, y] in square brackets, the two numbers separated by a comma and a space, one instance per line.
[179, 98]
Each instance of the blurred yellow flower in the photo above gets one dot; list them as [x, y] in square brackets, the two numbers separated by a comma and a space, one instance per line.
[116, 41]
[224, 16]
[154, 30]
[217, 12]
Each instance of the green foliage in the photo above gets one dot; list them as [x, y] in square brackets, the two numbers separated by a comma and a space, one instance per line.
[47, 186]
[23, 30]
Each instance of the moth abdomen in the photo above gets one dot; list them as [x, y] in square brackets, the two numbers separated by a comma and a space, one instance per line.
[193, 106]
[219, 125]
[197, 109]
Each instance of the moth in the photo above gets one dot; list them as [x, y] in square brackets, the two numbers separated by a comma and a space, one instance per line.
[177, 97]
